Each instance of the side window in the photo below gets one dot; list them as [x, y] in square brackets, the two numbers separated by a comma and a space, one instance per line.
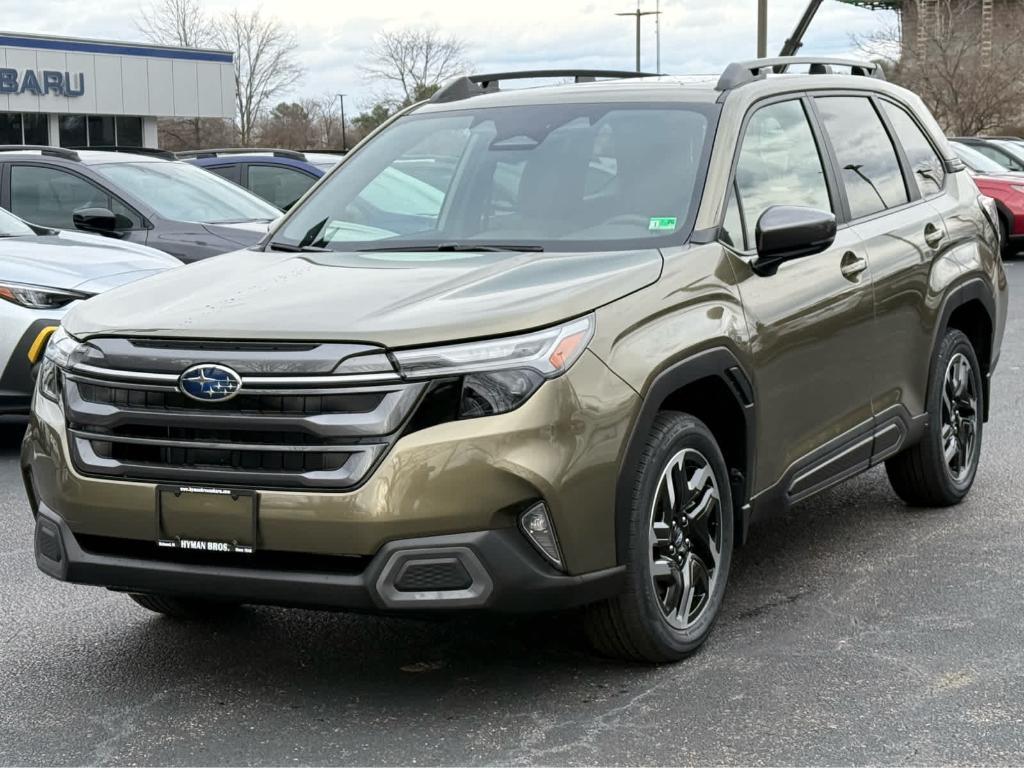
[927, 166]
[229, 171]
[867, 159]
[999, 156]
[277, 185]
[49, 196]
[778, 164]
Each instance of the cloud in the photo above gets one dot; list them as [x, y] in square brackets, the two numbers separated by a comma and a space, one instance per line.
[696, 36]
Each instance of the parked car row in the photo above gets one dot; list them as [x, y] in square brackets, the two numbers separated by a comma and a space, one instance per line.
[997, 164]
[77, 222]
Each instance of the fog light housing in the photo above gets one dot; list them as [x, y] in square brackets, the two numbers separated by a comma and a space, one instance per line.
[535, 523]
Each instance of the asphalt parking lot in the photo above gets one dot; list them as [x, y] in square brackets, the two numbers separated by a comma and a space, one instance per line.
[854, 631]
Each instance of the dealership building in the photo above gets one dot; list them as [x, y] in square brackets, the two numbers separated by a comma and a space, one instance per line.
[69, 92]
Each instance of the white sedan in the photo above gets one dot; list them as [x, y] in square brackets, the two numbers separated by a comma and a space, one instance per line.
[42, 273]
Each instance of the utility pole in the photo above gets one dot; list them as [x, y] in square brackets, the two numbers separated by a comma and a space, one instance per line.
[762, 28]
[638, 14]
[657, 35]
[341, 101]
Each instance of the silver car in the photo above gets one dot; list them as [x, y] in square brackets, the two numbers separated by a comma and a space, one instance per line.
[42, 273]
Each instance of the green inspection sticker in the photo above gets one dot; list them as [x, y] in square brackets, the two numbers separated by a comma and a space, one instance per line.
[662, 223]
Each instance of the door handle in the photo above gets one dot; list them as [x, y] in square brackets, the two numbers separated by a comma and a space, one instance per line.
[933, 235]
[852, 265]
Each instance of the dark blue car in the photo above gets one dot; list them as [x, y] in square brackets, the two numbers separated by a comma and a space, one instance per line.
[279, 176]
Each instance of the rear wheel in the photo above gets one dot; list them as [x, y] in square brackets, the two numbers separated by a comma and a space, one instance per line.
[679, 548]
[182, 607]
[939, 471]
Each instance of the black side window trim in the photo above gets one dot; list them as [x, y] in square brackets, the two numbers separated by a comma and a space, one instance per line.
[146, 224]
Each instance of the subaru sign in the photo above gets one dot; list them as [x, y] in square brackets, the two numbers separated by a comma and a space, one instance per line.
[41, 83]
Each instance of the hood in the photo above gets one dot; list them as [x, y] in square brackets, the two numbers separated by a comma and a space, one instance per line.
[71, 263]
[113, 244]
[1002, 180]
[241, 233]
[393, 299]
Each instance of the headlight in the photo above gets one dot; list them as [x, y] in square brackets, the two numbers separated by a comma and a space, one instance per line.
[37, 296]
[486, 378]
[550, 353]
[61, 353]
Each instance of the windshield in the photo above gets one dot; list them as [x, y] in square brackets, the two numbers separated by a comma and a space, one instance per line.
[561, 176]
[184, 192]
[976, 161]
[12, 226]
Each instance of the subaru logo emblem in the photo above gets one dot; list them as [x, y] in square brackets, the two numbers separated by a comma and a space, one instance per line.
[209, 382]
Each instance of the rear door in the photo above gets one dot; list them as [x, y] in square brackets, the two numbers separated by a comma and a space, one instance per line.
[811, 322]
[888, 188]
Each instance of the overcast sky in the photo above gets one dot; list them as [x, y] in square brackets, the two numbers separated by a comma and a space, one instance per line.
[697, 36]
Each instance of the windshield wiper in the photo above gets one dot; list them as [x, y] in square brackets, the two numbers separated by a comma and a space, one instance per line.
[289, 248]
[456, 248]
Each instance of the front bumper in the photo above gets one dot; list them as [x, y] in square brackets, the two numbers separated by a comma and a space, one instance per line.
[562, 446]
[493, 570]
[16, 375]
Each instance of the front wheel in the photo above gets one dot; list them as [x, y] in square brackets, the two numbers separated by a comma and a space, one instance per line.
[939, 471]
[679, 548]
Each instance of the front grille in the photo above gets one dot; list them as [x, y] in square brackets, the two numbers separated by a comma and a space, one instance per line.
[311, 429]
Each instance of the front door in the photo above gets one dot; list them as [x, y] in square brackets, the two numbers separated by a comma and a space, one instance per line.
[810, 323]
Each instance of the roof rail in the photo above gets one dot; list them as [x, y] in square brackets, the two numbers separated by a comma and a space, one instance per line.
[463, 87]
[742, 72]
[166, 154]
[289, 153]
[43, 149]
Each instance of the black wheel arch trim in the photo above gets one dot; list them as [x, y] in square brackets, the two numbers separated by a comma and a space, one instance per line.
[720, 363]
[973, 289]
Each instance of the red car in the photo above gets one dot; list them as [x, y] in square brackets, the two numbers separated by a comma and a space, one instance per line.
[1005, 187]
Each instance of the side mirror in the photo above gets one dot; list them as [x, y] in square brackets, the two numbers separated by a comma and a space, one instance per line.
[787, 232]
[100, 220]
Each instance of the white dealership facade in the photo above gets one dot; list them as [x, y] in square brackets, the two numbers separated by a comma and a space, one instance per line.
[71, 92]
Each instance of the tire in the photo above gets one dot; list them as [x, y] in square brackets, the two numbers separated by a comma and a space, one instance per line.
[1008, 250]
[639, 625]
[924, 475]
[189, 608]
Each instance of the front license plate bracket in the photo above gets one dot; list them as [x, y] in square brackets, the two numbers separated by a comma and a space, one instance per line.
[207, 518]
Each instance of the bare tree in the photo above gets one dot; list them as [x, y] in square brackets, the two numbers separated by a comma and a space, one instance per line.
[176, 22]
[183, 23]
[943, 53]
[265, 63]
[412, 63]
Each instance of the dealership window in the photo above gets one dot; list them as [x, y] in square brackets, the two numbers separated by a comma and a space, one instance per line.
[129, 131]
[29, 128]
[73, 131]
[37, 130]
[100, 131]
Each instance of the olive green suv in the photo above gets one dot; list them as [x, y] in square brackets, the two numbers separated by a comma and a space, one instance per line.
[536, 348]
